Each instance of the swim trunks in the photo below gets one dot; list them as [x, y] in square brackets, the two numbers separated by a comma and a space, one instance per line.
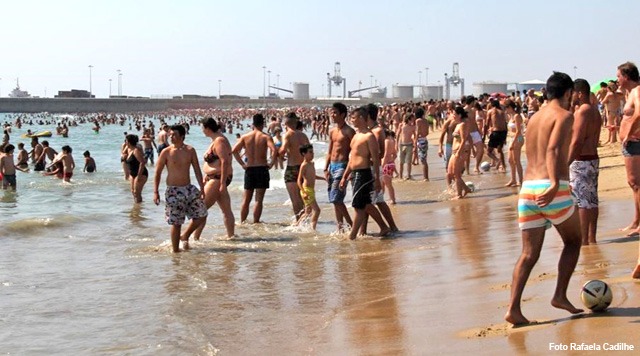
[531, 216]
[583, 177]
[497, 139]
[148, 154]
[422, 149]
[217, 176]
[256, 178]
[631, 149]
[291, 174]
[389, 169]
[475, 137]
[9, 181]
[183, 201]
[39, 166]
[308, 195]
[406, 153]
[362, 188]
[448, 152]
[68, 175]
[336, 172]
[162, 146]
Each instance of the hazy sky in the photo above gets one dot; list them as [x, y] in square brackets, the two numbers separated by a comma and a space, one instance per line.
[186, 46]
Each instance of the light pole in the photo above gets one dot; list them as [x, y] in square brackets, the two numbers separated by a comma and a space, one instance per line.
[264, 80]
[219, 88]
[269, 82]
[575, 72]
[426, 74]
[90, 87]
[109, 87]
[119, 82]
[419, 78]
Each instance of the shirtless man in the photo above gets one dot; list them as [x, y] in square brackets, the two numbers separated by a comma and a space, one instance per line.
[583, 171]
[182, 197]
[629, 80]
[256, 168]
[68, 164]
[291, 143]
[363, 149]
[8, 168]
[162, 139]
[36, 152]
[611, 103]
[532, 104]
[474, 132]
[545, 197]
[148, 144]
[406, 142]
[447, 132]
[422, 130]
[339, 148]
[23, 157]
[497, 122]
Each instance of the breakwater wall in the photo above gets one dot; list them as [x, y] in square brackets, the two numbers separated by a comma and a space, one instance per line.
[126, 105]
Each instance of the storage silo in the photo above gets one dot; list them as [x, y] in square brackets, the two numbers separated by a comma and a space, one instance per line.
[403, 92]
[301, 91]
[489, 88]
[380, 93]
[530, 84]
[435, 92]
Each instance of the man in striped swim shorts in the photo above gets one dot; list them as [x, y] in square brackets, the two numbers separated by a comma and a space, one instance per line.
[545, 198]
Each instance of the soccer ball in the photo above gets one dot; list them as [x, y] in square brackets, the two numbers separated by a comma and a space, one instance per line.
[485, 166]
[471, 186]
[596, 295]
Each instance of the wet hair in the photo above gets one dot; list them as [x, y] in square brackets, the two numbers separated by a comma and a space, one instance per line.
[132, 139]
[340, 107]
[291, 118]
[495, 103]
[462, 112]
[630, 71]
[9, 148]
[20, 145]
[258, 121]
[306, 148]
[67, 148]
[34, 140]
[372, 110]
[603, 85]
[45, 143]
[419, 113]
[582, 86]
[211, 124]
[86, 154]
[558, 84]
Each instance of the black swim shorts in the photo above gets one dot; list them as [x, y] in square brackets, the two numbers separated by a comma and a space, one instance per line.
[256, 178]
[362, 188]
[631, 149]
[497, 139]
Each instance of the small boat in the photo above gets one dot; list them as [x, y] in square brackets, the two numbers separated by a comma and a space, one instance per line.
[38, 134]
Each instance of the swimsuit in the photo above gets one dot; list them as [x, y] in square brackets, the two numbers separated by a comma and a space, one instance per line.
[362, 188]
[475, 137]
[291, 174]
[310, 197]
[162, 146]
[183, 201]
[256, 178]
[336, 172]
[448, 152]
[631, 149]
[497, 139]
[39, 166]
[388, 169]
[406, 153]
[583, 177]
[217, 176]
[211, 157]
[148, 154]
[531, 216]
[134, 167]
[9, 181]
[422, 149]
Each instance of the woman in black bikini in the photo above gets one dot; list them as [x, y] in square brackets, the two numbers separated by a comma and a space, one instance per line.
[218, 174]
[138, 173]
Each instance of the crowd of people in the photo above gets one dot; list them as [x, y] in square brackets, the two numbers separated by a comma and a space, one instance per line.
[372, 145]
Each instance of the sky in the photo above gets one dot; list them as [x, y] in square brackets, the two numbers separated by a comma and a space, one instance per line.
[166, 48]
